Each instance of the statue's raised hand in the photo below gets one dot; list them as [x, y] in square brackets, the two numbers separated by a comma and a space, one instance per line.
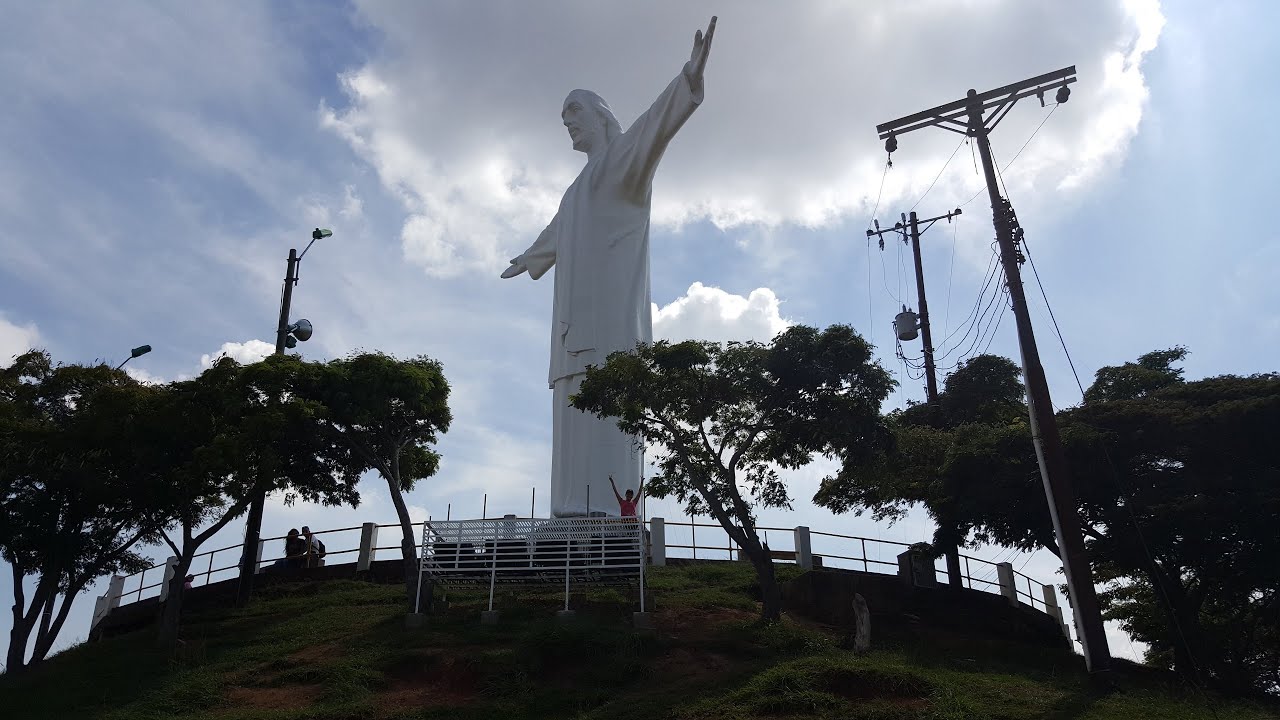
[517, 267]
[698, 57]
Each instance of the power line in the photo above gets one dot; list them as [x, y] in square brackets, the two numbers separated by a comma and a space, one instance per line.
[974, 314]
[955, 227]
[1015, 156]
[1048, 307]
[874, 210]
[939, 175]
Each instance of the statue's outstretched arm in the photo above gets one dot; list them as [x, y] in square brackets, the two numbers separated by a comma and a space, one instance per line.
[540, 256]
[647, 138]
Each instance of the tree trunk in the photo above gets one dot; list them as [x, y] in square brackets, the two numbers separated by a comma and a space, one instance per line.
[408, 545]
[44, 641]
[770, 594]
[23, 622]
[15, 659]
[171, 611]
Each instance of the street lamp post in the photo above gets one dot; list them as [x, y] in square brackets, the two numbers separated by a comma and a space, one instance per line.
[287, 336]
[136, 352]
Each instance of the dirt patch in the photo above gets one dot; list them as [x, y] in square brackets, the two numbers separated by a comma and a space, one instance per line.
[275, 698]
[694, 664]
[694, 622]
[443, 682]
[316, 653]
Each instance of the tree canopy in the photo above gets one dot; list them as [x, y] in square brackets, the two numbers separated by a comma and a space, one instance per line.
[385, 414]
[1177, 494]
[724, 418]
[69, 510]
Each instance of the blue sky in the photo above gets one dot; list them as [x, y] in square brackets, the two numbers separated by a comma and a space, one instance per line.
[158, 161]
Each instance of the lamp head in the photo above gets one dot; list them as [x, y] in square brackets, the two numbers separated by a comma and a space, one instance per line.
[139, 351]
[321, 233]
[301, 330]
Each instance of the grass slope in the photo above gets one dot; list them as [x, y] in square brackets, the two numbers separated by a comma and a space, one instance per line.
[339, 650]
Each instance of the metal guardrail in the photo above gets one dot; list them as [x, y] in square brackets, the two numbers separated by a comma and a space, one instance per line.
[596, 550]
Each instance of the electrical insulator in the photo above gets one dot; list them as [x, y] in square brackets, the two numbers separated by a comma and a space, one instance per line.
[891, 144]
[1063, 94]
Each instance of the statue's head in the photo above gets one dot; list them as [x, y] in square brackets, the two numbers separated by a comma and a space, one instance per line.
[589, 120]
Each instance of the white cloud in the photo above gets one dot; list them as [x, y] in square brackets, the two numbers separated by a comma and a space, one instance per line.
[786, 135]
[709, 313]
[15, 339]
[144, 376]
[245, 353]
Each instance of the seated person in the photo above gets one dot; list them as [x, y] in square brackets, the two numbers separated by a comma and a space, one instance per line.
[295, 549]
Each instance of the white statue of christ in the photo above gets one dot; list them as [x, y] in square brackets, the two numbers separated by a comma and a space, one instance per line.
[599, 243]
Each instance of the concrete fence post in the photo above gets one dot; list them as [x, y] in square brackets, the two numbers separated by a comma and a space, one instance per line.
[1007, 587]
[170, 569]
[257, 560]
[916, 569]
[658, 541]
[99, 611]
[1051, 602]
[115, 589]
[804, 550]
[368, 546]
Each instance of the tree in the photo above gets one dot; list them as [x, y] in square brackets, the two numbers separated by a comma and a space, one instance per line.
[387, 413]
[1177, 494]
[980, 410]
[68, 510]
[726, 418]
[217, 440]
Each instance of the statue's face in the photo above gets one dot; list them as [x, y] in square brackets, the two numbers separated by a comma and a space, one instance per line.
[586, 127]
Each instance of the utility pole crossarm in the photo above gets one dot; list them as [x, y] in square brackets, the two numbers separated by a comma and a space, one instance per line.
[957, 112]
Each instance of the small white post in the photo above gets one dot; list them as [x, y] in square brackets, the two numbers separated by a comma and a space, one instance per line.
[170, 569]
[363, 563]
[1051, 602]
[369, 544]
[115, 589]
[566, 565]
[257, 560]
[804, 551]
[493, 563]
[658, 539]
[640, 540]
[1007, 587]
[693, 535]
[99, 611]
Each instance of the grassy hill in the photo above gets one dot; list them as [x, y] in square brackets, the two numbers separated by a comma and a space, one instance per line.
[339, 650]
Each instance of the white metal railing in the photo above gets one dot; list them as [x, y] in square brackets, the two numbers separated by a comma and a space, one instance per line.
[603, 550]
[597, 550]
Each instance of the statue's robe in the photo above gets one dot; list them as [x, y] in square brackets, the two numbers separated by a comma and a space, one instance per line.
[599, 244]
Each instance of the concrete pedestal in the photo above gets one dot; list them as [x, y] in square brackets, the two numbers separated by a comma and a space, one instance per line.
[488, 617]
[642, 620]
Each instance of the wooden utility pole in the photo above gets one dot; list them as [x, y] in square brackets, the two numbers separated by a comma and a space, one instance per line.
[970, 116]
[912, 230]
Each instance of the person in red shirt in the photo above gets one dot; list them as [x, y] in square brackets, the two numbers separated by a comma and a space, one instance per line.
[627, 505]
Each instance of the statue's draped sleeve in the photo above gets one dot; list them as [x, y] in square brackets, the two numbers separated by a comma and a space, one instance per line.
[648, 137]
[541, 255]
